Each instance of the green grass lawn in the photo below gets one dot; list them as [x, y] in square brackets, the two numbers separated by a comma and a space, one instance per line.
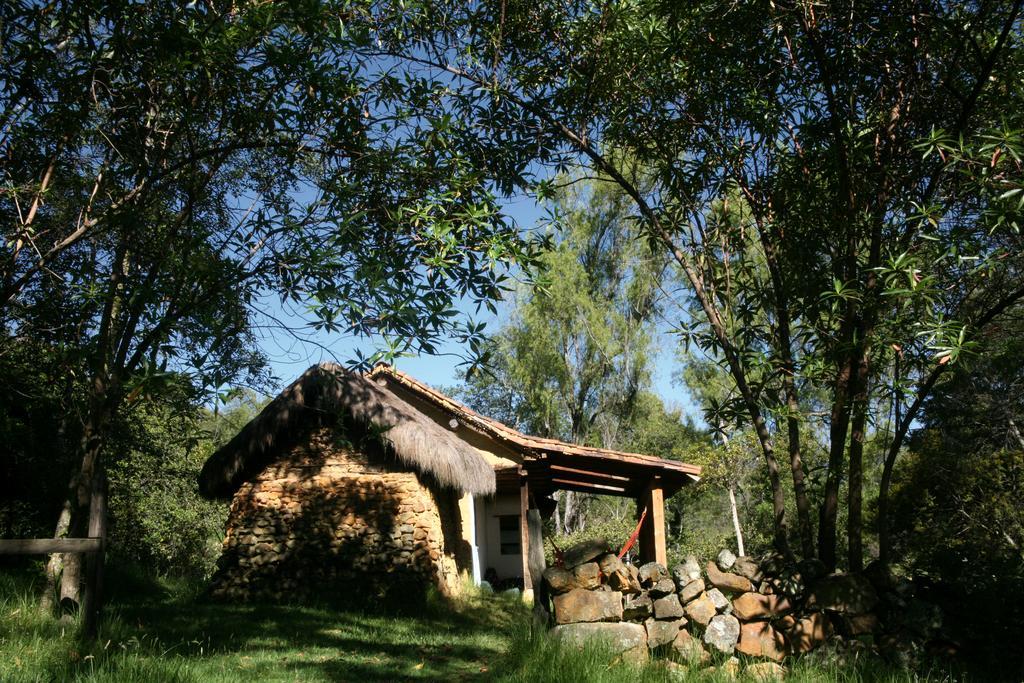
[158, 630]
[164, 631]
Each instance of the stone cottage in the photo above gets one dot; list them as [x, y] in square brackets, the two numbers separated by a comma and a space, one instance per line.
[380, 481]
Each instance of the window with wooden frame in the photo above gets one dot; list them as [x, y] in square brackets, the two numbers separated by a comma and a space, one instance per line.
[508, 528]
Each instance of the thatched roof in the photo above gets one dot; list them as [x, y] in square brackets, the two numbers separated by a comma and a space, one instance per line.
[326, 391]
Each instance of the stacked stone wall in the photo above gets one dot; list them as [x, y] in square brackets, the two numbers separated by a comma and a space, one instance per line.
[329, 518]
[758, 609]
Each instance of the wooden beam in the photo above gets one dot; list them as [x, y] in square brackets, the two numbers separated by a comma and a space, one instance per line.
[45, 546]
[592, 473]
[524, 531]
[652, 533]
[586, 486]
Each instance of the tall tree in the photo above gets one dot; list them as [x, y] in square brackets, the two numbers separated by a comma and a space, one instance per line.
[575, 354]
[876, 150]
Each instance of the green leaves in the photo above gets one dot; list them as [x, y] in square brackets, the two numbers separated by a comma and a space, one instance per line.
[575, 353]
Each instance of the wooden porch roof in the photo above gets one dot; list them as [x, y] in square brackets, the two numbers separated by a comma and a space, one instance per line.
[552, 465]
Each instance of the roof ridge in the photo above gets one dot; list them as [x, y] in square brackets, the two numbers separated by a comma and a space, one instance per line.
[502, 430]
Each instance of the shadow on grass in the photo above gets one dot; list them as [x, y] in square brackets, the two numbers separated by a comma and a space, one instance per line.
[346, 638]
[158, 630]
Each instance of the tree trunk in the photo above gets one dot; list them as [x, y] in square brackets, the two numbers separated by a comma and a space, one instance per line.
[104, 392]
[855, 557]
[732, 499]
[736, 520]
[1015, 433]
[778, 494]
[796, 466]
[838, 428]
[884, 540]
[783, 336]
[569, 515]
[93, 435]
[557, 497]
[55, 564]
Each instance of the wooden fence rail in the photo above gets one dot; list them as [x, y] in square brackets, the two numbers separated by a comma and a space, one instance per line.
[93, 547]
[45, 546]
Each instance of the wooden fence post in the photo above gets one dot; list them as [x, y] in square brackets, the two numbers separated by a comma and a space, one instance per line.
[652, 532]
[93, 598]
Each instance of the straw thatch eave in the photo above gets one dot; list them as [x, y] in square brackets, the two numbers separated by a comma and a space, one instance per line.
[328, 391]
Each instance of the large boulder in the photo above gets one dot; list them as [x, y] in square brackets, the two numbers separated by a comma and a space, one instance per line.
[634, 578]
[685, 572]
[624, 583]
[862, 624]
[726, 559]
[638, 607]
[748, 569]
[618, 577]
[759, 639]
[690, 650]
[651, 573]
[729, 670]
[668, 607]
[807, 633]
[587, 575]
[722, 633]
[559, 580]
[610, 563]
[580, 605]
[751, 606]
[719, 600]
[628, 639]
[691, 590]
[844, 593]
[585, 552]
[662, 632]
[701, 610]
[729, 583]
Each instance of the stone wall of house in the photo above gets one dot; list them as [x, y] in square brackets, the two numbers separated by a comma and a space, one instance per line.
[330, 519]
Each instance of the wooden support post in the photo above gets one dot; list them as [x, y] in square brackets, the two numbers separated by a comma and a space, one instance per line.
[652, 533]
[93, 598]
[524, 529]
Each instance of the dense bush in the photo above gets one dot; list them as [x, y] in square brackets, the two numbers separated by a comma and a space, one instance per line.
[158, 518]
[37, 432]
[959, 515]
